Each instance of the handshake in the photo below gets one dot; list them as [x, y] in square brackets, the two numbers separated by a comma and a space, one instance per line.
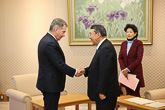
[80, 72]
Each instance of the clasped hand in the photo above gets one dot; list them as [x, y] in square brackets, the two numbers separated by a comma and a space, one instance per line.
[80, 72]
[125, 72]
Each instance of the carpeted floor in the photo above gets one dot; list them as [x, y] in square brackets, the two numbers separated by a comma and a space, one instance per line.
[84, 107]
[5, 106]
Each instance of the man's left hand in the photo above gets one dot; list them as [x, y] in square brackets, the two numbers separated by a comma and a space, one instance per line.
[102, 96]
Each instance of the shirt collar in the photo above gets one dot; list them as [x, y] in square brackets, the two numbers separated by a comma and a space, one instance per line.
[100, 43]
[52, 35]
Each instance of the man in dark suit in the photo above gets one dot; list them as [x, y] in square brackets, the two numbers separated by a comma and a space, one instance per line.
[52, 67]
[102, 74]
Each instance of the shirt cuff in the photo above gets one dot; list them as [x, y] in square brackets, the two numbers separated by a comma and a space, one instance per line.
[128, 70]
[75, 72]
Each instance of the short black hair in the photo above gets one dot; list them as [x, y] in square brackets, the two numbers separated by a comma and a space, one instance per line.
[133, 27]
[100, 29]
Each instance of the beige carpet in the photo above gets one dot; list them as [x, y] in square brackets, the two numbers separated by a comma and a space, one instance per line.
[5, 106]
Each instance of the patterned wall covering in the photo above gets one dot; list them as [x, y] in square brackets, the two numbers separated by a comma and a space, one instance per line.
[24, 22]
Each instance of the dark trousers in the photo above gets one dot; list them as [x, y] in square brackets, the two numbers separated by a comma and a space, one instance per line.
[107, 104]
[134, 93]
[51, 100]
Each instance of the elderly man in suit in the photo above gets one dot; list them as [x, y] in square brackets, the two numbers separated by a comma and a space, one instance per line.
[103, 86]
[52, 66]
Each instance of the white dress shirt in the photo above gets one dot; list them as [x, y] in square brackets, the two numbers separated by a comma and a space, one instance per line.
[100, 43]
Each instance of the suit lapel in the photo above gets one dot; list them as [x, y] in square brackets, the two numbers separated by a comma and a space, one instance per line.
[125, 50]
[59, 47]
[97, 51]
[62, 53]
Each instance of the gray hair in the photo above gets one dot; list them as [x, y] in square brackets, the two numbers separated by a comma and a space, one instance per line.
[57, 22]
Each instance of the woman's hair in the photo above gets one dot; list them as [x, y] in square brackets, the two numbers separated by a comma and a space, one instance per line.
[133, 27]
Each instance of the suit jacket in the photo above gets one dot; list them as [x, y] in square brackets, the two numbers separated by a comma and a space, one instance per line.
[133, 60]
[102, 73]
[52, 67]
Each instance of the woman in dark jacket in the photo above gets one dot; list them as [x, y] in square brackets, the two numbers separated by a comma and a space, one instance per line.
[130, 58]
